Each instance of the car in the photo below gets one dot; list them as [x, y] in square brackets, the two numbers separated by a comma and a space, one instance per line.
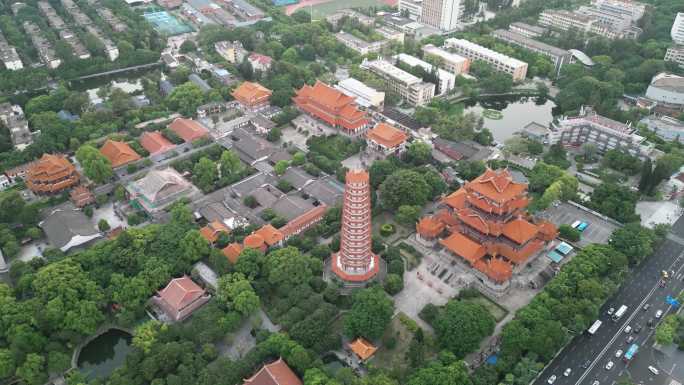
[618, 353]
[586, 364]
[567, 372]
[609, 365]
[646, 306]
[659, 314]
[630, 339]
[650, 322]
[637, 329]
[552, 379]
[611, 311]
[595, 382]
[653, 370]
[628, 329]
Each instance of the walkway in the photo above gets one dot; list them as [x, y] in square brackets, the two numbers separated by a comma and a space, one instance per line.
[116, 71]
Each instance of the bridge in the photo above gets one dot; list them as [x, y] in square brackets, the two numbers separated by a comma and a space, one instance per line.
[116, 71]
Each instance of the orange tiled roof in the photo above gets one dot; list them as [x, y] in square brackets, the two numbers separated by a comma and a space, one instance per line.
[462, 246]
[330, 105]
[81, 196]
[446, 217]
[189, 130]
[429, 227]
[456, 199]
[52, 173]
[155, 143]
[276, 373]
[362, 348]
[270, 234]
[254, 241]
[212, 230]
[232, 252]
[118, 153]
[386, 135]
[497, 185]
[519, 230]
[357, 176]
[548, 230]
[181, 292]
[303, 221]
[250, 93]
[496, 269]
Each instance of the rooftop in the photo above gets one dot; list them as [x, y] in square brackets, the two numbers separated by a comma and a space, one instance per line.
[362, 348]
[451, 42]
[155, 143]
[386, 135]
[118, 153]
[189, 130]
[526, 41]
[669, 82]
[391, 70]
[276, 373]
[68, 228]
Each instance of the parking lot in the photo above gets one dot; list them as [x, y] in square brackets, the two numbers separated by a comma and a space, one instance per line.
[599, 230]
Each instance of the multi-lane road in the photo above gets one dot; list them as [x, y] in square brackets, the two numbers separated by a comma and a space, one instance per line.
[587, 356]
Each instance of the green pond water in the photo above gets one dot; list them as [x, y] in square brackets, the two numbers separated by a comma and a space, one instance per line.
[105, 353]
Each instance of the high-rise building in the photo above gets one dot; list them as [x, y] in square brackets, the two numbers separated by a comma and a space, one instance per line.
[442, 14]
[677, 31]
[413, 8]
[355, 262]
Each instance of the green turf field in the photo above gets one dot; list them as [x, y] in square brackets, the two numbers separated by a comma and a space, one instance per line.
[322, 10]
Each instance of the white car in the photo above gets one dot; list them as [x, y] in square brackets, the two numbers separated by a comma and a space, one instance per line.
[567, 372]
[653, 370]
[618, 353]
[595, 382]
[552, 379]
[628, 329]
[659, 314]
[609, 365]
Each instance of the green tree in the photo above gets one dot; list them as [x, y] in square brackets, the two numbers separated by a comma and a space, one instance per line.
[186, 98]
[393, 284]
[281, 166]
[298, 159]
[634, 241]
[235, 292]
[95, 165]
[408, 215]
[461, 326]
[230, 163]
[439, 374]
[188, 46]
[33, 371]
[103, 225]
[288, 267]
[193, 247]
[205, 174]
[147, 334]
[370, 314]
[419, 153]
[404, 187]
[7, 365]
[665, 332]
[568, 232]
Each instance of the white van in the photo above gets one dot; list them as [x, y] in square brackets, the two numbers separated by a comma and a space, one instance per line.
[628, 329]
[653, 370]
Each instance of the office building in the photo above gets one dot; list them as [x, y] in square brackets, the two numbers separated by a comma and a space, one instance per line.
[9, 56]
[677, 31]
[442, 14]
[499, 62]
[605, 133]
[589, 20]
[451, 62]
[365, 96]
[356, 263]
[626, 9]
[362, 19]
[412, 8]
[675, 54]
[410, 88]
[527, 30]
[446, 79]
[359, 45]
[558, 56]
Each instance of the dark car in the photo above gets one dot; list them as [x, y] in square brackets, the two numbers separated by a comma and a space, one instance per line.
[637, 328]
[650, 322]
[646, 306]
[585, 364]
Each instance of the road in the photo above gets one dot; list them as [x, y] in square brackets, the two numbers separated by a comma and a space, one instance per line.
[640, 289]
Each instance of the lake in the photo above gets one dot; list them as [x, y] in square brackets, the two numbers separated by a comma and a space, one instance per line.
[517, 113]
[105, 353]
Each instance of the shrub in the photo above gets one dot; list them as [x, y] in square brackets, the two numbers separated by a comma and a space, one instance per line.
[103, 225]
[387, 229]
[570, 233]
[393, 284]
[250, 201]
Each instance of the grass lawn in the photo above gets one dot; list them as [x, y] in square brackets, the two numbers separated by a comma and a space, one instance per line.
[394, 359]
[400, 233]
[495, 310]
[320, 11]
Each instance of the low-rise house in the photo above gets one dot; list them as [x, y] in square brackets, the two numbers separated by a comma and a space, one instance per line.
[233, 52]
[166, 88]
[276, 373]
[303, 222]
[362, 348]
[213, 230]
[364, 95]
[13, 118]
[155, 143]
[232, 252]
[51, 174]
[251, 149]
[201, 83]
[463, 150]
[159, 189]
[81, 196]
[119, 153]
[252, 96]
[179, 299]
[211, 108]
[260, 62]
[536, 131]
[386, 139]
[66, 229]
[189, 130]
[4, 182]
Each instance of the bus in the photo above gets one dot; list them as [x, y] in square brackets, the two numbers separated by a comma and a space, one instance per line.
[592, 330]
[630, 353]
[619, 313]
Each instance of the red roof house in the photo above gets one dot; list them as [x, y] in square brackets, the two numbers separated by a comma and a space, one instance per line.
[212, 230]
[276, 373]
[51, 174]
[331, 106]
[155, 143]
[189, 130]
[252, 95]
[81, 196]
[232, 252]
[386, 139]
[119, 153]
[303, 222]
[180, 298]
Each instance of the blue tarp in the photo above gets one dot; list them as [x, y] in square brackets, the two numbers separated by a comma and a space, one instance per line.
[284, 2]
[491, 360]
[564, 248]
[554, 256]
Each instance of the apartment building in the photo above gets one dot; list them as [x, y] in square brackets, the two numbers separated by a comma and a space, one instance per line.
[46, 52]
[410, 88]
[559, 56]
[527, 30]
[77, 47]
[359, 45]
[110, 48]
[442, 14]
[446, 79]
[412, 8]
[390, 34]
[335, 17]
[12, 116]
[107, 15]
[451, 62]
[675, 54]
[83, 20]
[628, 9]
[500, 62]
[588, 21]
[677, 31]
[605, 133]
[9, 56]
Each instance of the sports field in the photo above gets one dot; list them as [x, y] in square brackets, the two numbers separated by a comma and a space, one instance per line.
[321, 8]
[166, 24]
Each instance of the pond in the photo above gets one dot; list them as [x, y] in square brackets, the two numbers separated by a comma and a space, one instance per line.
[517, 113]
[105, 353]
